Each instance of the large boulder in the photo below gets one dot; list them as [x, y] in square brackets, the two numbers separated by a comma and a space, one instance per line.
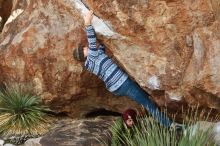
[170, 47]
[36, 52]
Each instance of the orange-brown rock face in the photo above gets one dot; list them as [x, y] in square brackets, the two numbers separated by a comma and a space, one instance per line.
[171, 48]
[36, 51]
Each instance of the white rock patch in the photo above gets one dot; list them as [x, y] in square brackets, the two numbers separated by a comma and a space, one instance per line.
[175, 95]
[216, 133]
[177, 98]
[198, 50]
[6, 40]
[153, 82]
[9, 144]
[14, 15]
[99, 25]
[33, 142]
[2, 142]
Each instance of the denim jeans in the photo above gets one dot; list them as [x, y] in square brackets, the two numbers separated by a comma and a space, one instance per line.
[134, 91]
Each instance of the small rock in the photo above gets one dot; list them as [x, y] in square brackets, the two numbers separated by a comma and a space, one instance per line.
[216, 133]
[8, 144]
[33, 142]
[2, 142]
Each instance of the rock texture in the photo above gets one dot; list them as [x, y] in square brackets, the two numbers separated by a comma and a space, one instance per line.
[75, 133]
[36, 52]
[170, 47]
[84, 132]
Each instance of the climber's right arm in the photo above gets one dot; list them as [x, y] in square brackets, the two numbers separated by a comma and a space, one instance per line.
[91, 36]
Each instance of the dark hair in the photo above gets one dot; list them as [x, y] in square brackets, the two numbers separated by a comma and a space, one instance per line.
[78, 53]
[129, 113]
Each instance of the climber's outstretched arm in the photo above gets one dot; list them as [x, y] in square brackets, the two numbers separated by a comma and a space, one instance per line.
[91, 36]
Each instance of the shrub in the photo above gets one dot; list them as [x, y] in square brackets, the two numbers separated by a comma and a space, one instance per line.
[21, 115]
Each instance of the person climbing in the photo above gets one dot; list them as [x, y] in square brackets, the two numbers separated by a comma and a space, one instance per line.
[124, 127]
[116, 80]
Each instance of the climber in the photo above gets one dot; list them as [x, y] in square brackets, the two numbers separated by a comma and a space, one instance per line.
[116, 80]
[124, 126]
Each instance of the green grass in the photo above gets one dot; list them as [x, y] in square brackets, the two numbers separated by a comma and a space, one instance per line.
[149, 133]
[21, 115]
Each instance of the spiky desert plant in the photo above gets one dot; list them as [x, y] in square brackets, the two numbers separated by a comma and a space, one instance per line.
[21, 114]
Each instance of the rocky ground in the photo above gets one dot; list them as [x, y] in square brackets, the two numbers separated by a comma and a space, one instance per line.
[86, 132]
[69, 132]
[2, 143]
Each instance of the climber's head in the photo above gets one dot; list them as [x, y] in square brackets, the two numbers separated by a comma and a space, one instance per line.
[129, 117]
[80, 53]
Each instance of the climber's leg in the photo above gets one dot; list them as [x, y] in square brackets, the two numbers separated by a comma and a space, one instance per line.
[135, 92]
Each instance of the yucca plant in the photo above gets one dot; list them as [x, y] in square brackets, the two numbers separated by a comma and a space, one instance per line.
[21, 115]
[148, 132]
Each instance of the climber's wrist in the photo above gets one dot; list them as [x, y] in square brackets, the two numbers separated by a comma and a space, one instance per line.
[88, 24]
[88, 18]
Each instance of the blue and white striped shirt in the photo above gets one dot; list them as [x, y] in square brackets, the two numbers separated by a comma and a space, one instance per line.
[101, 65]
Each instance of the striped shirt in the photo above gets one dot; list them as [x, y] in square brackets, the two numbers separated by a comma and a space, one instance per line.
[101, 65]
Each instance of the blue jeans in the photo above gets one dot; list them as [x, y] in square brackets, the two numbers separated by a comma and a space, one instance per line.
[134, 91]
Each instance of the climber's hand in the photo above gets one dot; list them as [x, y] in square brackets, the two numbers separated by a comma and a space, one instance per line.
[88, 18]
